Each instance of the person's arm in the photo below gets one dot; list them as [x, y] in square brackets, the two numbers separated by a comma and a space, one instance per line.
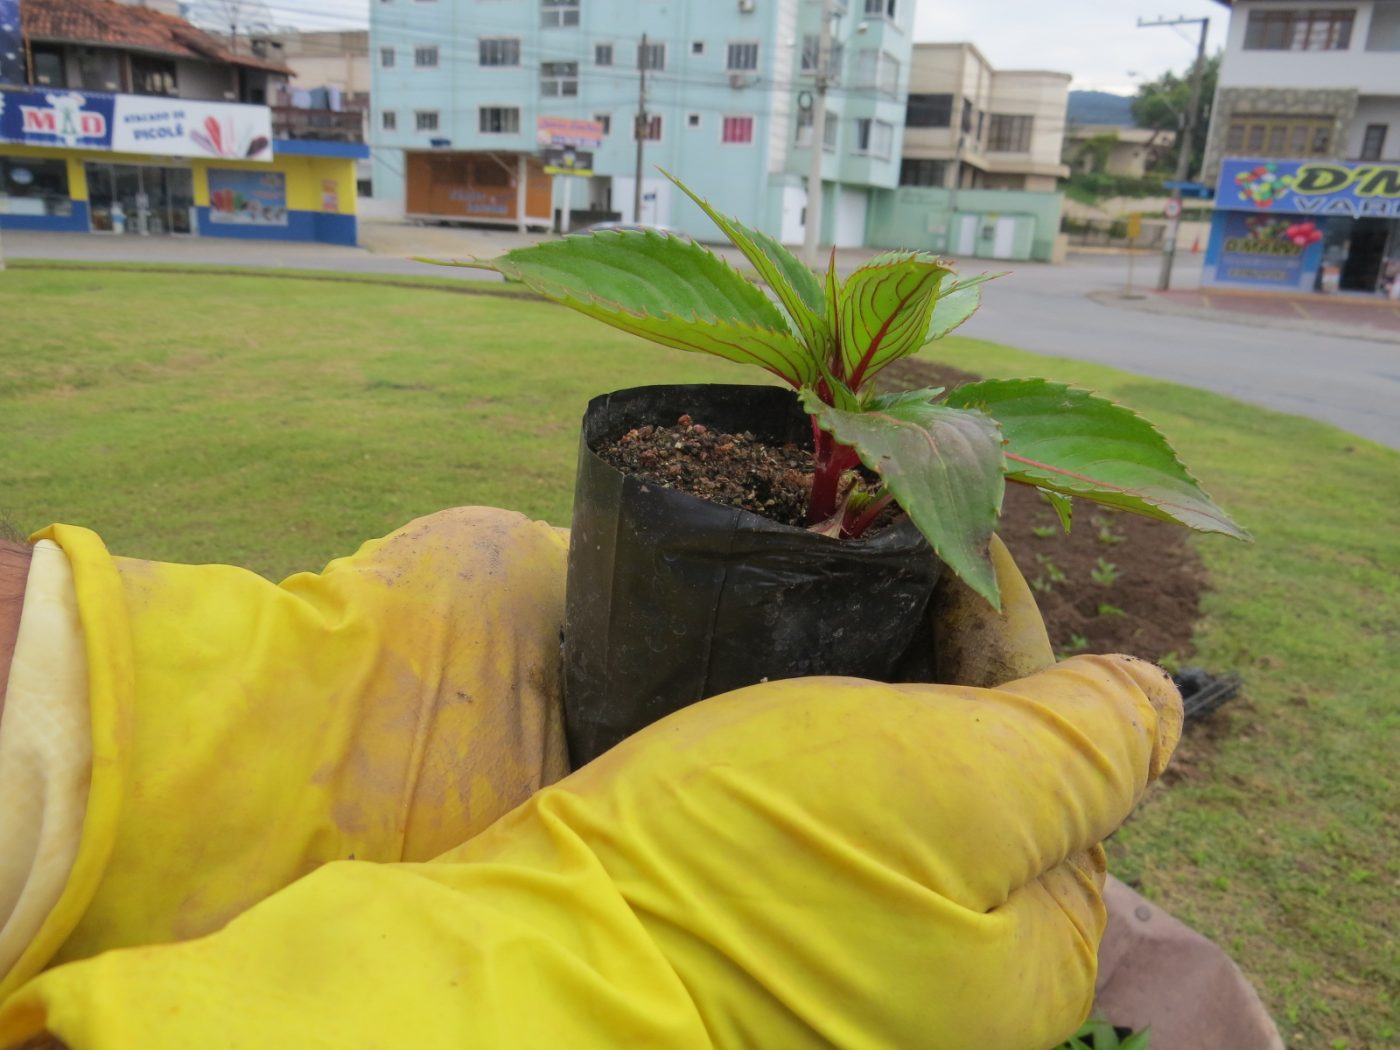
[14, 571]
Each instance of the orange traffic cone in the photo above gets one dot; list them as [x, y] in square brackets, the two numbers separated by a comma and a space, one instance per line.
[1196, 246]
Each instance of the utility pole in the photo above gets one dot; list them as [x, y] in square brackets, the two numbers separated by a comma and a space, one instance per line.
[641, 127]
[814, 169]
[1183, 161]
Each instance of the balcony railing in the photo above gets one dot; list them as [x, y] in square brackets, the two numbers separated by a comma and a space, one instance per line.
[290, 122]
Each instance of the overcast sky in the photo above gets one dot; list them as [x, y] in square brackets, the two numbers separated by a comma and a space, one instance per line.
[1095, 40]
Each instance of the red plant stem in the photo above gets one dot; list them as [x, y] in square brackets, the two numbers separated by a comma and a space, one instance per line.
[829, 461]
[868, 516]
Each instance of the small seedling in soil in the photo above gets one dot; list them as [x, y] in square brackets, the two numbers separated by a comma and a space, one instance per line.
[1077, 644]
[1109, 610]
[1100, 1035]
[1104, 573]
[1044, 531]
[1170, 662]
[942, 457]
[1052, 571]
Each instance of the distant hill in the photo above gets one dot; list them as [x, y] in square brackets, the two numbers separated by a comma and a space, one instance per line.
[1099, 107]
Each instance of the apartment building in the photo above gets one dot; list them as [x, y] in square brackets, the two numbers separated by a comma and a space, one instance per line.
[969, 125]
[460, 87]
[1304, 141]
[122, 119]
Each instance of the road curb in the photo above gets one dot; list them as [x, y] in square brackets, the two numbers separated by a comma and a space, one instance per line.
[1151, 304]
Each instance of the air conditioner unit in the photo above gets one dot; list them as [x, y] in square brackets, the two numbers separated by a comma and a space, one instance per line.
[739, 80]
[747, 7]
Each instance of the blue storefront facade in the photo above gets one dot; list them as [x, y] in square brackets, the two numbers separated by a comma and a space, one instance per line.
[1304, 225]
[82, 161]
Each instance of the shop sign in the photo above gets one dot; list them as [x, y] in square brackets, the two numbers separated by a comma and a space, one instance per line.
[247, 198]
[136, 124]
[565, 160]
[1360, 189]
[568, 131]
[1270, 250]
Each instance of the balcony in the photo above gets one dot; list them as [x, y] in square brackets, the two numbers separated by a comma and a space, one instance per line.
[326, 125]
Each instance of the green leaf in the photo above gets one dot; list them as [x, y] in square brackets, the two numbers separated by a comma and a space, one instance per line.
[886, 402]
[796, 286]
[944, 466]
[1063, 506]
[956, 302]
[1075, 442]
[884, 311]
[664, 289]
[1137, 1041]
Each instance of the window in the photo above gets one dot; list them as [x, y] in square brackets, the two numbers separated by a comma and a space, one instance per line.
[810, 44]
[46, 66]
[498, 120]
[425, 119]
[499, 51]
[557, 13]
[743, 57]
[1373, 142]
[1284, 135]
[1009, 134]
[880, 9]
[386, 58]
[34, 186]
[967, 116]
[697, 47]
[389, 120]
[1313, 29]
[877, 69]
[425, 57]
[804, 129]
[558, 78]
[929, 111]
[737, 130]
[914, 172]
[873, 138]
[604, 119]
[648, 128]
[693, 120]
[652, 56]
[602, 54]
[152, 76]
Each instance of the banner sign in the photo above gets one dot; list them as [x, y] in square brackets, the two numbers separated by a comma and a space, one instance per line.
[568, 131]
[565, 160]
[1357, 188]
[1273, 251]
[170, 127]
[11, 45]
[247, 198]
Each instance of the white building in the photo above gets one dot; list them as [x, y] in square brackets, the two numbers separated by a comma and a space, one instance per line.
[972, 126]
[1305, 142]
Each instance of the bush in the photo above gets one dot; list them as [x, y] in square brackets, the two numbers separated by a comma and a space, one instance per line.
[1088, 187]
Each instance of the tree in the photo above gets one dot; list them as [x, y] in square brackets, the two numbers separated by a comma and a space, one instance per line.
[1161, 105]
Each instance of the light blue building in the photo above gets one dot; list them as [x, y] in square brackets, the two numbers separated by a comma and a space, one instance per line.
[458, 86]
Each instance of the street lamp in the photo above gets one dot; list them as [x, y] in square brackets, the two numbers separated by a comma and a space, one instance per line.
[822, 78]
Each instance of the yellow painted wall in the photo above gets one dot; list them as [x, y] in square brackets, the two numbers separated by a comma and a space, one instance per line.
[305, 175]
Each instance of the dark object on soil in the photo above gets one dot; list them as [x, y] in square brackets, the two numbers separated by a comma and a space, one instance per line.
[1202, 692]
[672, 598]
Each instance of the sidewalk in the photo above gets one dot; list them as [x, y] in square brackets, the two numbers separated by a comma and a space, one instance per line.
[1352, 316]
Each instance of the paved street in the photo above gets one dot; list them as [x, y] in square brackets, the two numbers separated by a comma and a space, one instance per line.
[1289, 366]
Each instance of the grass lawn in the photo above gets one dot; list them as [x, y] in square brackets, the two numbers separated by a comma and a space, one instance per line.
[277, 423]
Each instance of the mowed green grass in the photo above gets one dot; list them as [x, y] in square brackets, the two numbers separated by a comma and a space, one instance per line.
[278, 423]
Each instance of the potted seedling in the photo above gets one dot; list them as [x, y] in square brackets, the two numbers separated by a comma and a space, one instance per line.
[672, 597]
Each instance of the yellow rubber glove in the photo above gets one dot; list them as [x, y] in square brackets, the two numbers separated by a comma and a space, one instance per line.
[244, 733]
[813, 862]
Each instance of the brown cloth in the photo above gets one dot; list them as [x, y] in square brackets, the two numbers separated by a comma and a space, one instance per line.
[1156, 972]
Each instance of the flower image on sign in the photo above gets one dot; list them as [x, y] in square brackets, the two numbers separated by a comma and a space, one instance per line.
[247, 198]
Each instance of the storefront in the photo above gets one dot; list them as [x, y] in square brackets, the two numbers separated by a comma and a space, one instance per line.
[131, 165]
[502, 189]
[1294, 225]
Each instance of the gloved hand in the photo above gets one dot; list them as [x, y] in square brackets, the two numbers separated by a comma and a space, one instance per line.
[800, 863]
[985, 647]
[244, 733]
